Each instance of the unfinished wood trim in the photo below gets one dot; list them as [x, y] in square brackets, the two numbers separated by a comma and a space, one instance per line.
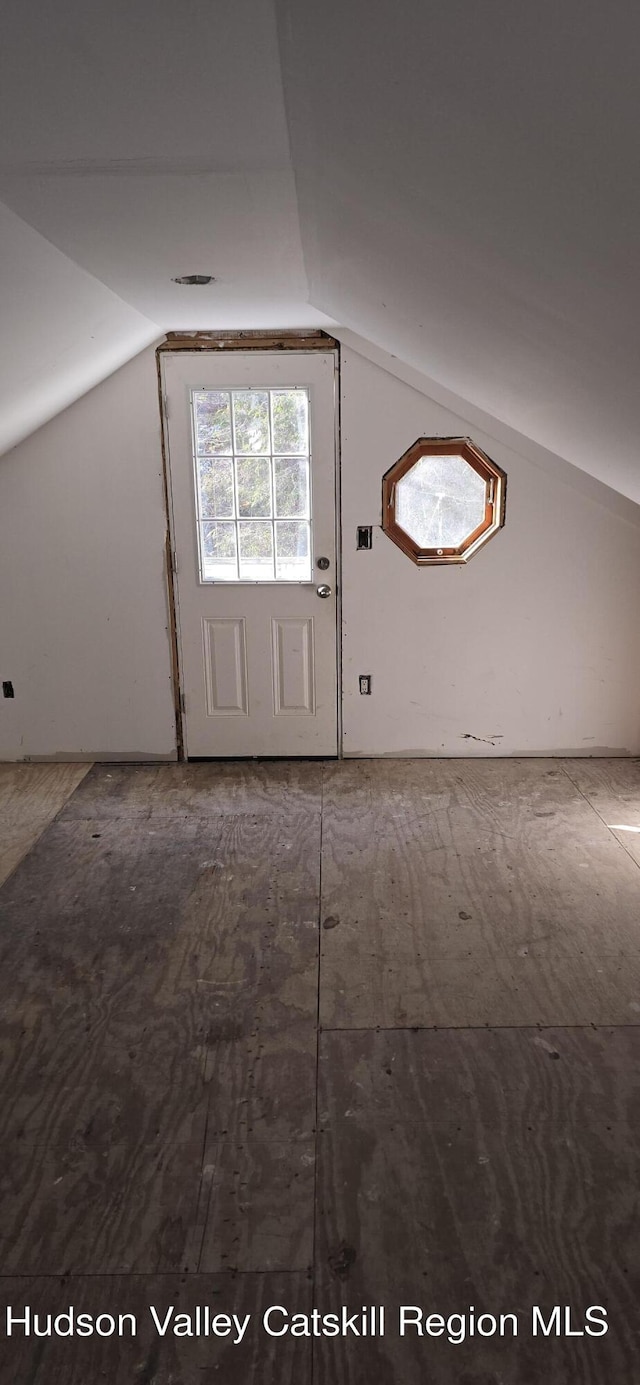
[171, 592]
[299, 340]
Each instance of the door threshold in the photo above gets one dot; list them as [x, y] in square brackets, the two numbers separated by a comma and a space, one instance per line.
[252, 759]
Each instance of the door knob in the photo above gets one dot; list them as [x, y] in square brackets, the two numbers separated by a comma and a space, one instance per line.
[323, 590]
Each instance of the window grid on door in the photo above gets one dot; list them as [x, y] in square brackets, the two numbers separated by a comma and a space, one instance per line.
[252, 468]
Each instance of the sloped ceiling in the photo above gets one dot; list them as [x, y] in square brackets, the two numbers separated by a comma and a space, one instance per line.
[61, 331]
[469, 200]
[455, 182]
[138, 142]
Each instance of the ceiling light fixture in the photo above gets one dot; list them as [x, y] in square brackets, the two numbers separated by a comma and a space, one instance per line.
[194, 279]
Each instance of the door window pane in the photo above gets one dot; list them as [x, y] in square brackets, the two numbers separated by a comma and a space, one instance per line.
[290, 421]
[255, 551]
[292, 550]
[212, 412]
[254, 486]
[292, 486]
[215, 485]
[251, 420]
[218, 542]
[252, 463]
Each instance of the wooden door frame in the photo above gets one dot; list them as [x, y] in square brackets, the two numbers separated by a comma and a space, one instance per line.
[299, 340]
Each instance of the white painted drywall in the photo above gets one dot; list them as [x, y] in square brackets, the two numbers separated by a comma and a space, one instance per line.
[83, 616]
[467, 202]
[532, 648]
[135, 231]
[137, 143]
[84, 83]
[61, 332]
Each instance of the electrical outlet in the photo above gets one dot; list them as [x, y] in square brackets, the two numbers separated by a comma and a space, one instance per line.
[365, 684]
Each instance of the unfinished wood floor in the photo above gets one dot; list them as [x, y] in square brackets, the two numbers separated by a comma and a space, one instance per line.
[30, 798]
[325, 1035]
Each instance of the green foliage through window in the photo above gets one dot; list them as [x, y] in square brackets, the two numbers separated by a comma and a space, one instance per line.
[253, 464]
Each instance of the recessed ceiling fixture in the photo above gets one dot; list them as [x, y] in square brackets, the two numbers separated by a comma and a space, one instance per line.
[194, 279]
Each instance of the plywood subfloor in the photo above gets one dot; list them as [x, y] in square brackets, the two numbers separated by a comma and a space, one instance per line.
[473, 892]
[30, 798]
[340, 1034]
[493, 1169]
[147, 1358]
[612, 788]
[158, 998]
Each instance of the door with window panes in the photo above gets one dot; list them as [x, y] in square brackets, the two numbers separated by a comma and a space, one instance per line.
[252, 476]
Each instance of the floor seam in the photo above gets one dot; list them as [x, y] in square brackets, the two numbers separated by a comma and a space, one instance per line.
[181, 1274]
[316, 1142]
[463, 1028]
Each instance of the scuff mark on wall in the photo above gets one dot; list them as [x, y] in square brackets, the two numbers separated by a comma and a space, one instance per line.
[467, 736]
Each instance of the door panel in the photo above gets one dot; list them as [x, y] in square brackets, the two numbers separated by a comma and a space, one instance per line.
[225, 665]
[258, 657]
[293, 680]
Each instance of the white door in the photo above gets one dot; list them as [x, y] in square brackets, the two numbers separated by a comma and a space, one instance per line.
[251, 443]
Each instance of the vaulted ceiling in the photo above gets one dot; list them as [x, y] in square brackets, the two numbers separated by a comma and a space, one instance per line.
[455, 182]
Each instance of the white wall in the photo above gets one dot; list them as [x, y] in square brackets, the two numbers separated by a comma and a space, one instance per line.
[481, 249]
[83, 613]
[61, 330]
[533, 647]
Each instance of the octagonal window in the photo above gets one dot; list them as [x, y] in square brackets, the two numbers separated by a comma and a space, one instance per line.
[442, 500]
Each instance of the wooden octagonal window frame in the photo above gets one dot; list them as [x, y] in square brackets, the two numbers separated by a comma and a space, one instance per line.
[495, 483]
